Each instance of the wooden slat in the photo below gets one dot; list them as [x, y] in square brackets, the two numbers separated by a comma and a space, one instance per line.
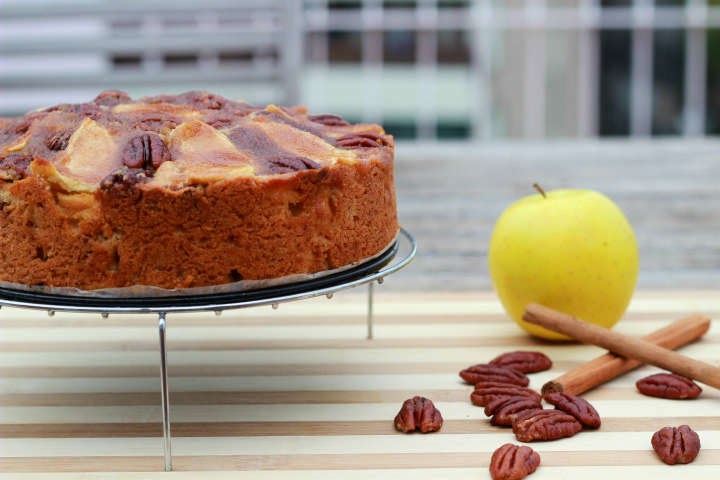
[231, 429]
[475, 460]
[287, 334]
[266, 397]
[310, 445]
[546, 472]
[321, 412]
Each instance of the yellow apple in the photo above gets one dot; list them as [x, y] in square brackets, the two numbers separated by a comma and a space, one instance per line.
[570, 250]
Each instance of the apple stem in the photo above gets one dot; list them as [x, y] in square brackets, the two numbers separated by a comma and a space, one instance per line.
[539, 189]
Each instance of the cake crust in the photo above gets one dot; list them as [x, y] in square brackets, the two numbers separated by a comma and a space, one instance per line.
[186, 191]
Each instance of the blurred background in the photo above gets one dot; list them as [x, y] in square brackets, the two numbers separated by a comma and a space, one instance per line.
[484, 96]
[426, 69]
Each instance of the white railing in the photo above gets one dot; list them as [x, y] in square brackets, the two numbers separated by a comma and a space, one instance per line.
[484, 21]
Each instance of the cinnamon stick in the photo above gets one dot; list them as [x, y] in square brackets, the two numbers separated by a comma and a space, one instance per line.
[629, 347]
[606, 367]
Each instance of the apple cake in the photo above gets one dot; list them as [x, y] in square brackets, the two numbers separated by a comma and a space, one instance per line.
[190, 190]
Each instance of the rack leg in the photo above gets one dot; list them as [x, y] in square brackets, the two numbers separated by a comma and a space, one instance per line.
[167, 450]
[371, 293]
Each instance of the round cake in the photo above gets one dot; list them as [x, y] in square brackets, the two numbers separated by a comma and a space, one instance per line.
[189, 190]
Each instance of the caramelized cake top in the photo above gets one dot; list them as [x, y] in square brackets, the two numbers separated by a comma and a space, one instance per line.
[172, 141]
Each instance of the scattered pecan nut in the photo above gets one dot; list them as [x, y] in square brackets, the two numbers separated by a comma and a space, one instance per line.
[486, 392]
[524, 361]
[542, 425]
[668, 385]
[360, 140]
[329, 120]
[578, 407]
[494, 373]
[513, 462]
[504, 409]
[676, 444]
[291, 164]
[418, 414]
[145, 151]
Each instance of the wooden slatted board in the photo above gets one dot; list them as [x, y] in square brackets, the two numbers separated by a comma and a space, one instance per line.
[299, 393]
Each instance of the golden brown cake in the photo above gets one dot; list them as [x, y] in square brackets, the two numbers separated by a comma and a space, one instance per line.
[188, 190]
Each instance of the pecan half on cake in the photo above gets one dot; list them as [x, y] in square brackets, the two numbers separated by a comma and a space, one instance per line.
[188, 190]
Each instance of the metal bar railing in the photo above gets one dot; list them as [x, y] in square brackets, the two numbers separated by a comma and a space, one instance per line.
[484, 23]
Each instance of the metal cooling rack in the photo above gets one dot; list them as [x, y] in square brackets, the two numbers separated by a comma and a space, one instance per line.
[397, 256]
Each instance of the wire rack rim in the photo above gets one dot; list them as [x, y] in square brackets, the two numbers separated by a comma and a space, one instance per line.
[395, 264]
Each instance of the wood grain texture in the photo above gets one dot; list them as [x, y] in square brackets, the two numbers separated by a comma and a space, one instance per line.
[303, 395]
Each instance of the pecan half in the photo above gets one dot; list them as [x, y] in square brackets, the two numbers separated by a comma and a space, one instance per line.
[291, 164]
[513, 462]
[15, 166]
[493, 373]
[111, 98]
[220, 122]
[207, 100]
[145, 151]
[23, 125]
[59, 141]
[418, 414]
[124, 177]
[360, 140]
[88, 109]
[575, 406]
[676, 444]
[524, 361]
[240, 109]
[542, 425]
[486, 392]
[504, 409]
[195, 99]
[329, 120]
[156, 123]
[668, 385]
